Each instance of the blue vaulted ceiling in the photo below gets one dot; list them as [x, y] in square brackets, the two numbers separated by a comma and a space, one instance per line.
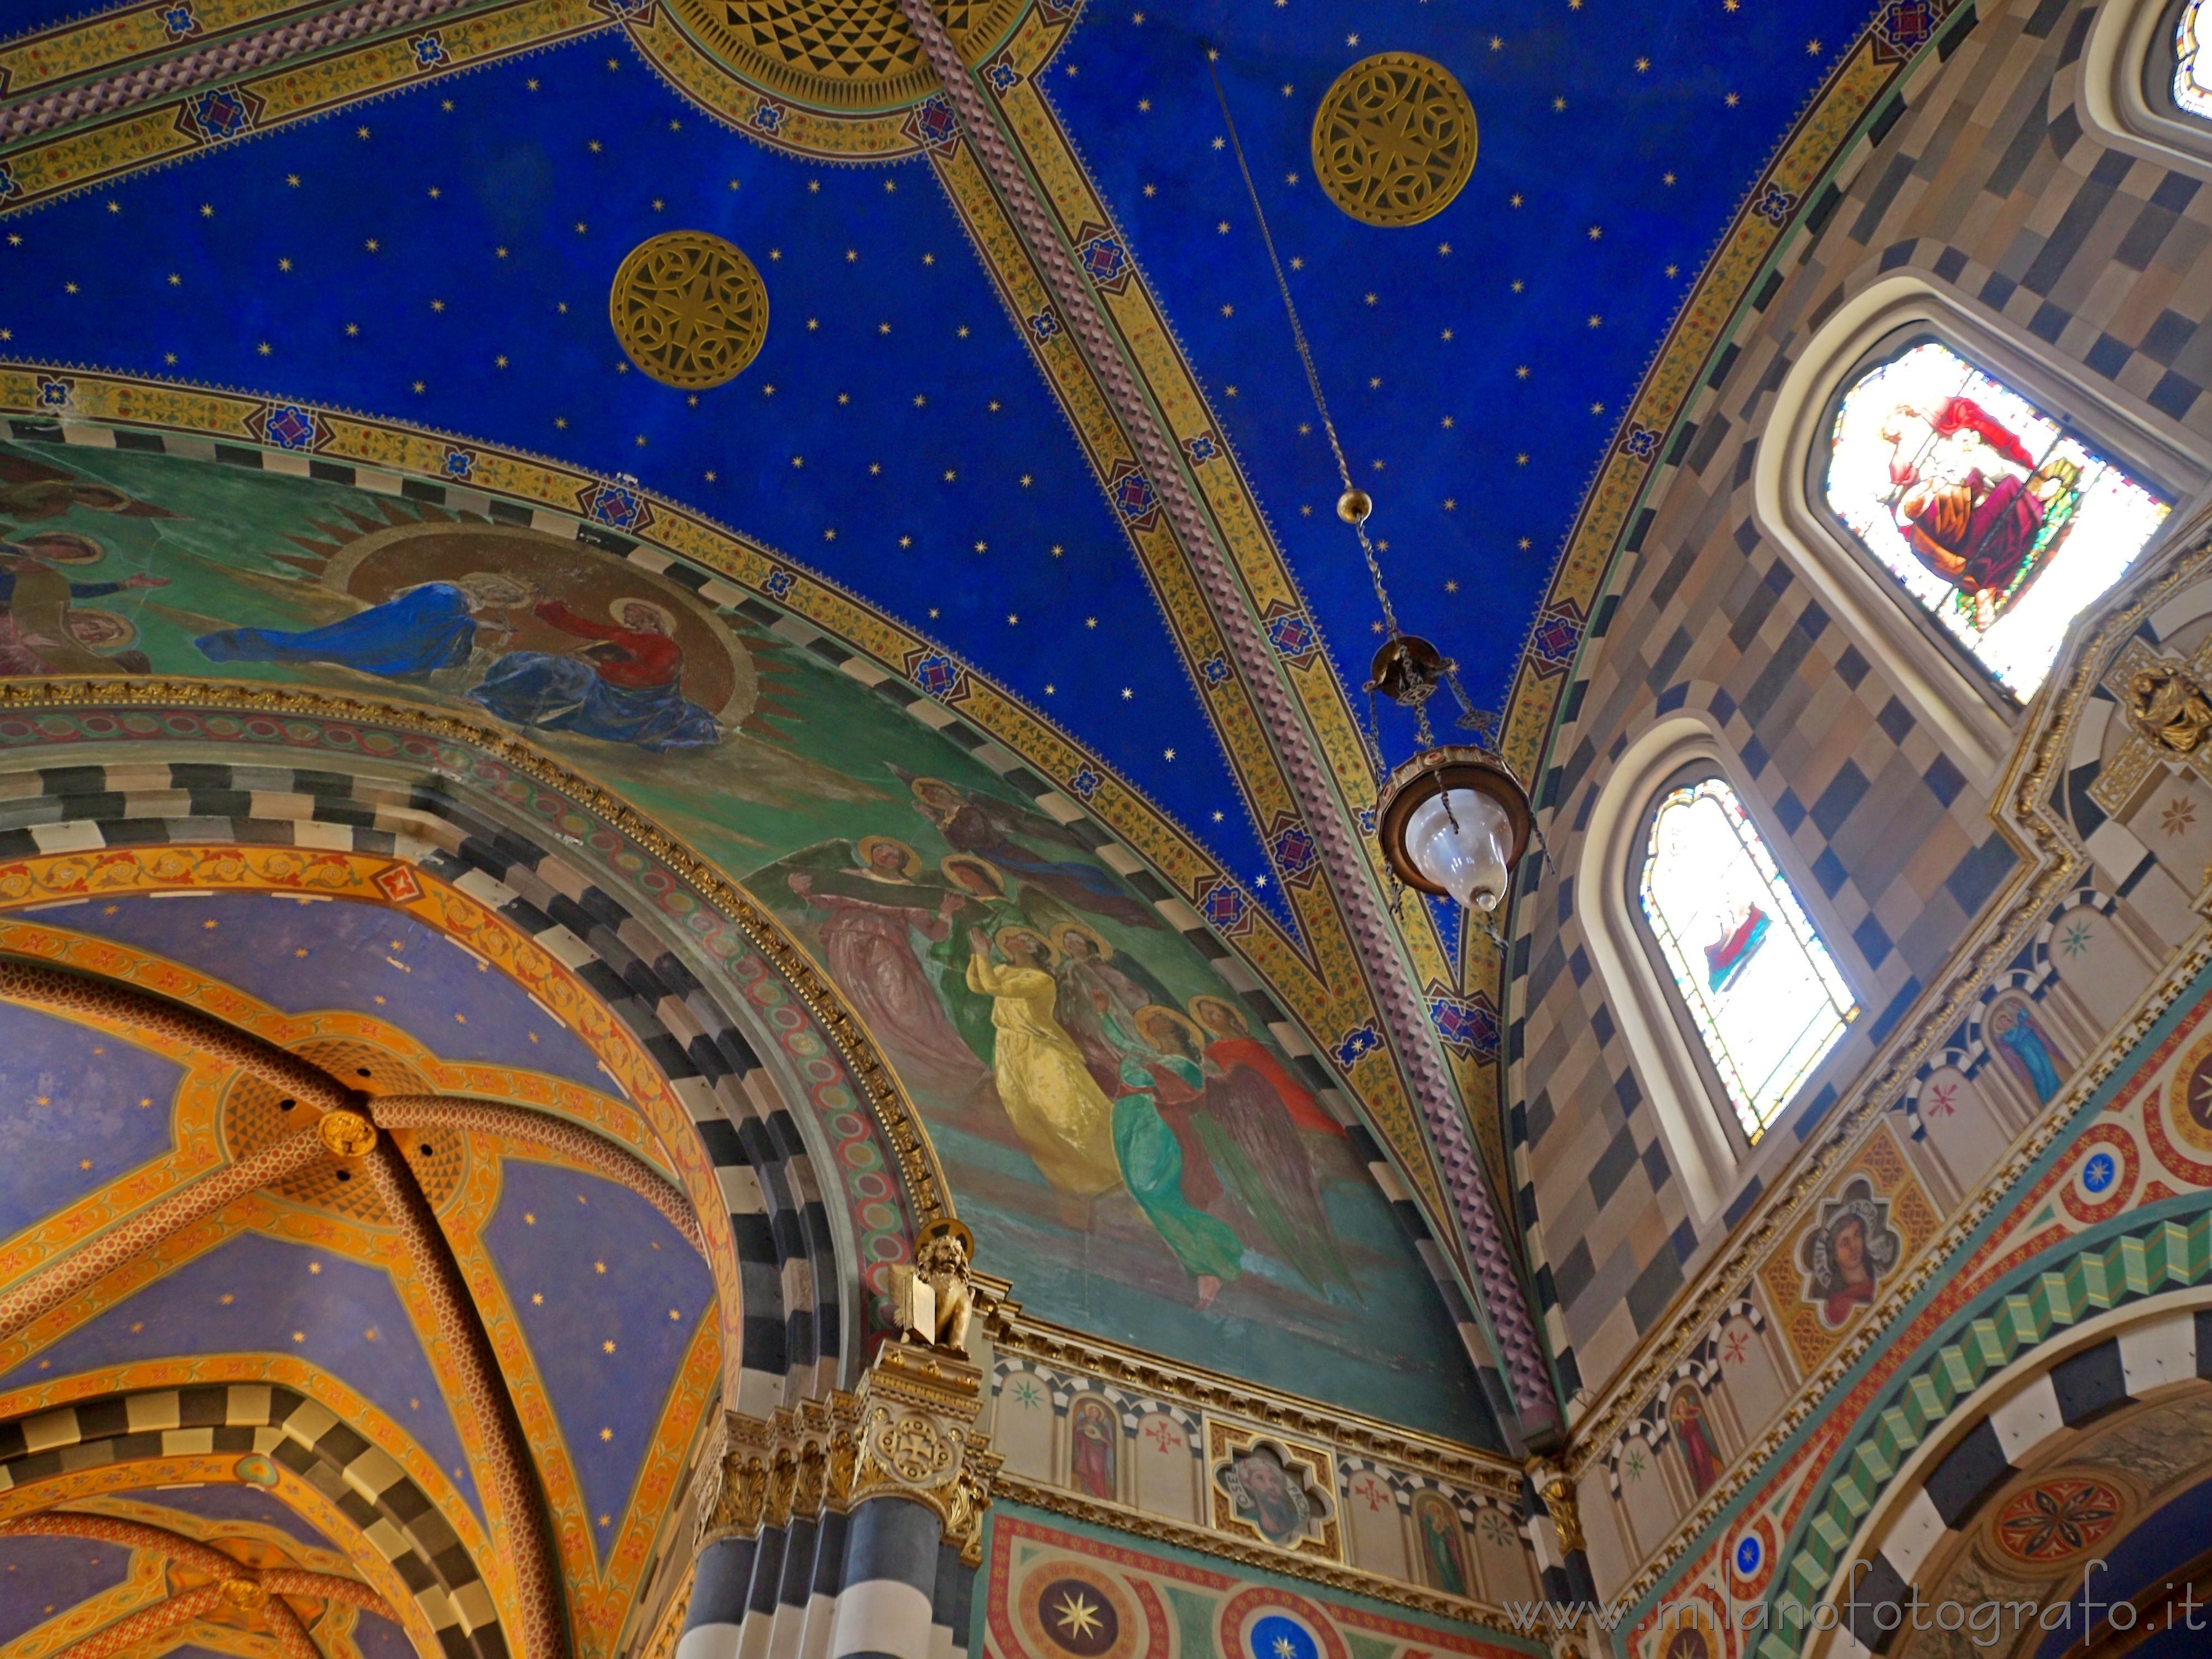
[443, 257]
[1476, 364]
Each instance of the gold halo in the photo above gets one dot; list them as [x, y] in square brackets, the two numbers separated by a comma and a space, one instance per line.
[1393, 140]
[1237, 1014]
[125, 630]
[1104, 950]
[689, 309]
[1155, 1010]
[81, 549]
[910, 860]
[945, 1226]
[615, 607]
[952, 861]
[1052, 956]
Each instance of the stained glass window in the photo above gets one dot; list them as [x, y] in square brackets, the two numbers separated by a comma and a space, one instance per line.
[1999, 522]
[1762, 988]
[2192, 70]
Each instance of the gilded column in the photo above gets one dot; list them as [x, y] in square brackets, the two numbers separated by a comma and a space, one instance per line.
[732, 1496]
[920, 1487]
[851, 1528]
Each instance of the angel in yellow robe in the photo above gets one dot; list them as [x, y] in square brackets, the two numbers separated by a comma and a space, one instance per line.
[1055, 1104]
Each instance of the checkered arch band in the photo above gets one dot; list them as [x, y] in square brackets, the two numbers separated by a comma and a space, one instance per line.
[2155, 1357]
[393, 1513]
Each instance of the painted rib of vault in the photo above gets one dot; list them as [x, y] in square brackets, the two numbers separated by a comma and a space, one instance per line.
[1126, 1143]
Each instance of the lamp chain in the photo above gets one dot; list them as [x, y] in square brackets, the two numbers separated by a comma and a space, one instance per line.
[1305, 351]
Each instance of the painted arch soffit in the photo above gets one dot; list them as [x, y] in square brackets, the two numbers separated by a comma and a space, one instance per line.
[262, 1485]
[611, 1453]
[1320, 992]
[152, 1544]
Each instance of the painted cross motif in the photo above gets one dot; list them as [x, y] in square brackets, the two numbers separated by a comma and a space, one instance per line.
[1370, 1491]
[1943, 1099]
[2161, 707]
[1164, 1436]
[1736, 1347]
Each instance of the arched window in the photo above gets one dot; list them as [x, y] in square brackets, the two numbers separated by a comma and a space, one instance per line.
[2146, 81]
[2187, 66]
[1998, 521]
[1761, 988]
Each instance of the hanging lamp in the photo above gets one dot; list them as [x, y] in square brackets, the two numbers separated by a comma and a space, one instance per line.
[1452, 820]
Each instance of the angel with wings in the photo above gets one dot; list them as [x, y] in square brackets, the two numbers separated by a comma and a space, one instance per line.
[1005, 834]
[871, 906]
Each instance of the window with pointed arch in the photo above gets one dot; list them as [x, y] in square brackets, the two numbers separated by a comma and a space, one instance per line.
[1998, 522]
[1761, 989]
[2183, 72]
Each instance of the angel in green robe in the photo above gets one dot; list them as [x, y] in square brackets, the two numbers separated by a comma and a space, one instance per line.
[1153, 1086]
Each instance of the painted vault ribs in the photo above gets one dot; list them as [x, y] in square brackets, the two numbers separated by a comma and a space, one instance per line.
[603, 1579]
[1336, 1001]
[241, 82]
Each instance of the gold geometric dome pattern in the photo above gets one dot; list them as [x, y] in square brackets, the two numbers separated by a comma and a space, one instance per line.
[836, 55]
[1393, 140]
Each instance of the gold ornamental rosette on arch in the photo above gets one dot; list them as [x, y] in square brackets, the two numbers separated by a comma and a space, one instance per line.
[839, 79]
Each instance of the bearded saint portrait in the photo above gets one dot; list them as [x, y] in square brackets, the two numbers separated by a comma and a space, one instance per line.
[1265, 1494]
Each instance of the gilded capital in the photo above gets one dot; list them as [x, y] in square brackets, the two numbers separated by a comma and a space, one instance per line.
[1558, 1493]
[733, 1488]
[917, 1438]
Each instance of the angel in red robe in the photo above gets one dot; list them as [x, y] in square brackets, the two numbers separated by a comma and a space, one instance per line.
[1965, 515]
[1243, 1122]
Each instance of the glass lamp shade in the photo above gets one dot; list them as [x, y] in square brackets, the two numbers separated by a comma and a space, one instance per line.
[1458, 839]
[1454, 821]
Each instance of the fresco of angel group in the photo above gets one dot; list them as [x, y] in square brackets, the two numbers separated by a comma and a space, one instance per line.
[1128, 1145]
[2001, 523]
